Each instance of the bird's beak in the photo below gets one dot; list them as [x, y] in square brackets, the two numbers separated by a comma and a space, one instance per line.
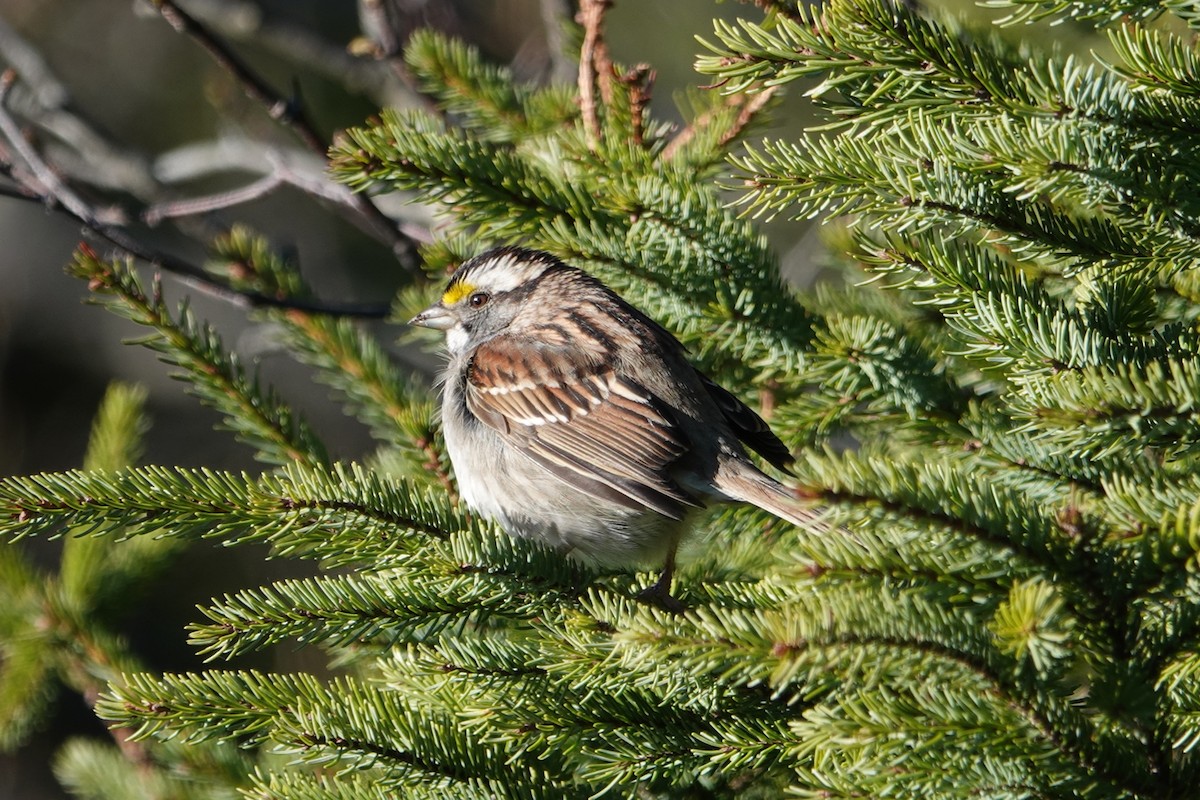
[437, 317]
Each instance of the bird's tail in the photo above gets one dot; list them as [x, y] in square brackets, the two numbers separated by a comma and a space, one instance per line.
[746, 483]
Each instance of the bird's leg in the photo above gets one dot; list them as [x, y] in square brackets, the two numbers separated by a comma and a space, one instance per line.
[659, 593]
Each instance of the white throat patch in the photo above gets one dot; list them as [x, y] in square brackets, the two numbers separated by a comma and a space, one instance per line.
[456, 339]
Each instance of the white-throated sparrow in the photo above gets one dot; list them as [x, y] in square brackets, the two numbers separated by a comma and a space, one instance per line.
[574, 419]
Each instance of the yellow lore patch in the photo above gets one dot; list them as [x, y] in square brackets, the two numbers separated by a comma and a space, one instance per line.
[457, 292]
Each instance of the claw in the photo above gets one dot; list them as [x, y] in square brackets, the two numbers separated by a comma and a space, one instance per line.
[659, 593]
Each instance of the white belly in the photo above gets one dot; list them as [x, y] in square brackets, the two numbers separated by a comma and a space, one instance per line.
[529, 501]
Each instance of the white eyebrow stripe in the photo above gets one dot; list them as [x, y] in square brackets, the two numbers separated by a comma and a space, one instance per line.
[504, 273]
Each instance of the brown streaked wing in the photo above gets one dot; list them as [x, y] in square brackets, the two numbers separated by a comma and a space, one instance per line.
[596, 430]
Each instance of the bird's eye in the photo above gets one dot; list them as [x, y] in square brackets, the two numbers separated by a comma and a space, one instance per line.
[478, 299]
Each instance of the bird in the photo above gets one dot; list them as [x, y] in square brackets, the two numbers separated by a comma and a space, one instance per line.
[573, 419]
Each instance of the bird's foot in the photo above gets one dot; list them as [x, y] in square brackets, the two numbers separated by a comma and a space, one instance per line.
[660, 595]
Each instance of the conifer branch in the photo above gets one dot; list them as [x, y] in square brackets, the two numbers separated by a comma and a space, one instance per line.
[344, 515]
[307, 718]
[213, 202]
[345, 611]
[375, 390]
[218, 379]
[516, 198]
[484, 98]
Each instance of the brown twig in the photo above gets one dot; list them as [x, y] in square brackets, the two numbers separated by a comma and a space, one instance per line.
[640, 81]
[89, 658]
[749, 106]
[280, 172]
[594, 65]
[289, 113]
[18, 192]
[246, 21]
[387, 27]
[385, 36]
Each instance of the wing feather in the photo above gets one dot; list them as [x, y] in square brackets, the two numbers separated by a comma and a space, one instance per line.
[750, 428]
[603, 433]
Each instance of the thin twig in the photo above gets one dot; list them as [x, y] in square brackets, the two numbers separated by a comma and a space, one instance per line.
[385, 45]
[387, 26]
[594, 64]
[19, 193]
[212, 202]
[52, 185]
[245, 21]
[42, 100]
[749, 105]
[776, 7]
[381, 31]
[85, 658]
[289, 113]
[51, 191]
[296, 168]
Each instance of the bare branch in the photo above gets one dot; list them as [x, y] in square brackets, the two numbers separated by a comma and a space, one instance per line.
[297, 168]
[86, 155]
[382, 42]
[380, 28]
[51, 185]
[26, 60]
[213, 202]
[79, 147]
[245, 21]
[75, 151]
[35, 178]
[229, 153]
[289, 113]
[17, 192]
[286, 111]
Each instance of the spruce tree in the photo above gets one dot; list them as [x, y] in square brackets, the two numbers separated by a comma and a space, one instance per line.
[997, 407]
